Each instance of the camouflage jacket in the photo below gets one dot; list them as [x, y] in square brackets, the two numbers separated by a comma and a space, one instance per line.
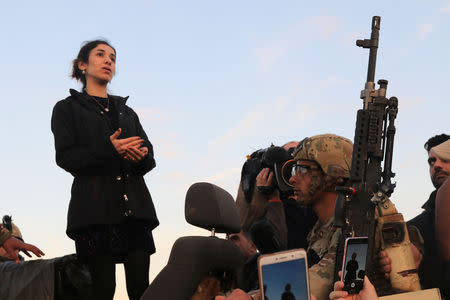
[4, 234]
[323, 239]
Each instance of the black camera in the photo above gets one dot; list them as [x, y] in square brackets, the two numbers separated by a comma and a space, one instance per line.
[273, 157]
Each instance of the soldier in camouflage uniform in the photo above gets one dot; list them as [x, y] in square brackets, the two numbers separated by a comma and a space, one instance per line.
[321, 163]
[323, 240]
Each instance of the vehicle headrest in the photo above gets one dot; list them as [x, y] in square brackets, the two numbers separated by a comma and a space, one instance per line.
[209, 206]
[191, 259]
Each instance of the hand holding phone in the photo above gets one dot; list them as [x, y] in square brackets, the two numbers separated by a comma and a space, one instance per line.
[367, 293]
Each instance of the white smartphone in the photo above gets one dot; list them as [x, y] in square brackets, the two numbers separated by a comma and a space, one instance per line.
[284, 275]
[354, 264]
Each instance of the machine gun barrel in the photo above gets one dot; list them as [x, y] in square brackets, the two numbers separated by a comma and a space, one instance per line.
[373, 45]
[367, 209]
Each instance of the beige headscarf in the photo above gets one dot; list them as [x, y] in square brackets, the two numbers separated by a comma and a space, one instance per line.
[442, 150]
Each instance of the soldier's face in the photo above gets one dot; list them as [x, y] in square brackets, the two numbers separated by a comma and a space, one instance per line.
[439, 169]
[307, 181]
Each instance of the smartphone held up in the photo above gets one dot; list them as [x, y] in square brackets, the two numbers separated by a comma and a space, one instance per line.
[354, 264]
[284, 275]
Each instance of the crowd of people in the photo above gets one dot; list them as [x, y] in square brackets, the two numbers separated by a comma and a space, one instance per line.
[100, 141]
[313, 186]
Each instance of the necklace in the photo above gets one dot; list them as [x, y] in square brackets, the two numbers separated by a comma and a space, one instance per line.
[107, 105]
[97, 100]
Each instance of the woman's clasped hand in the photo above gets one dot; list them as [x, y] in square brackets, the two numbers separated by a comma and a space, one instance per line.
[129, 148]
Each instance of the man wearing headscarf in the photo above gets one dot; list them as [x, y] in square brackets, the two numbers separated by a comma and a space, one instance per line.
[433, 267]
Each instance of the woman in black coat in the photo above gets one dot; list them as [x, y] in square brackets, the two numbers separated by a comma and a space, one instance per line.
[100, 141]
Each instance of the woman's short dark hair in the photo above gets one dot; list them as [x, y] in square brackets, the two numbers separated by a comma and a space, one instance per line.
[83, 56]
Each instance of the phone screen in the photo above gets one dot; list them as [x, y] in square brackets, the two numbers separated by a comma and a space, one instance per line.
[355, 264]
[285, 280]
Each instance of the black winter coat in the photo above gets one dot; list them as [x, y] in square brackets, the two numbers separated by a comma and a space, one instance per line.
[433, 271]
[106, 189]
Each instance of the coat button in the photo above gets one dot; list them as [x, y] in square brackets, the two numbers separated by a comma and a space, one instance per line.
[101, 112]
[125, 197]
[118, 178]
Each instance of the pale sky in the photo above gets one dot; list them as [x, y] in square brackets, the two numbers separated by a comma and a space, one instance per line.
[212, 81]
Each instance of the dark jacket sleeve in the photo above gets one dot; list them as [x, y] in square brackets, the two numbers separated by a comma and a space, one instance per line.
[148, 163]
[264, 220]
[276, 216]
[434, 272]
[71, 154]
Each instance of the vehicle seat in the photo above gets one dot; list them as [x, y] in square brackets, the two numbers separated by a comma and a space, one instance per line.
[193, 257]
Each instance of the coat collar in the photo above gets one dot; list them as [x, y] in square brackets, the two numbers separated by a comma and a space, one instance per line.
[119, 101]
[431, 203]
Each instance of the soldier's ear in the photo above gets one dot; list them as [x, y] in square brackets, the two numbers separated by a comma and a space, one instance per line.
[332, 182]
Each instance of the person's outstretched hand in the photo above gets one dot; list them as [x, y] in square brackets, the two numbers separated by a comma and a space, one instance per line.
[12, 244]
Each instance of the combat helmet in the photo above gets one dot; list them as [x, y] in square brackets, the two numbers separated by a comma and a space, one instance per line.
[8, 224]
[333, 153]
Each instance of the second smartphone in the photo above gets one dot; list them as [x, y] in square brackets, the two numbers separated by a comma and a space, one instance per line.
[354, 264]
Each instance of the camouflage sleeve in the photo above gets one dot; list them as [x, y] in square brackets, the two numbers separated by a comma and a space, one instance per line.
[4, 235]
[321, 274]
